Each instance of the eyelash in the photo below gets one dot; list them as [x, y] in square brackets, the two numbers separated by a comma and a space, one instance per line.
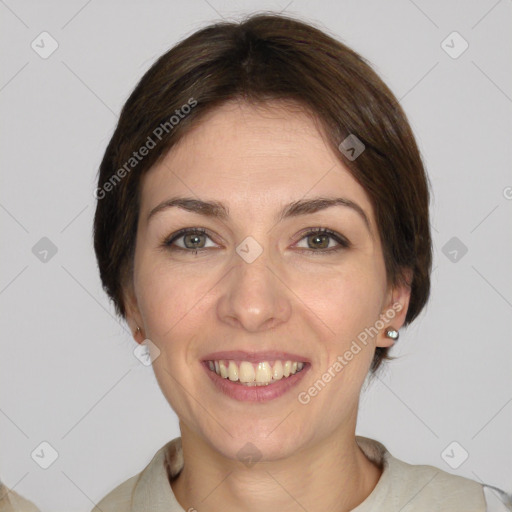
[342, 241]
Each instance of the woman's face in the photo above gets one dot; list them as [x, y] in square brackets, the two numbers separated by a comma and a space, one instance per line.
[260, 289]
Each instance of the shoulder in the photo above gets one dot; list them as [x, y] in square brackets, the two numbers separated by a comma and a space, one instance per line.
[447, 492]
[430, 486]
[424, 487]
[150, 488]
[120, 498]
[11, 501]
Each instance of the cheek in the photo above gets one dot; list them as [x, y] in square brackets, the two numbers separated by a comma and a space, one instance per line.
[346, 301]
[173, 309]
[168, 299]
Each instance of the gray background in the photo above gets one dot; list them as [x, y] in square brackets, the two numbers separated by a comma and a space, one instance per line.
[68, 373]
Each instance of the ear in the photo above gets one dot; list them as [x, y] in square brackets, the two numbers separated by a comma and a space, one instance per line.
[133, 316]
[395, 308]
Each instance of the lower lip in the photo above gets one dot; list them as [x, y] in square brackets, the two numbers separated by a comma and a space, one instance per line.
[255, 393]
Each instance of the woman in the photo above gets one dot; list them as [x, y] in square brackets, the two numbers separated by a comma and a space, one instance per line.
[262, 225]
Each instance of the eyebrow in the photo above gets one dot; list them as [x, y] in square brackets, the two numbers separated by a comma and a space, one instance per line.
[218, 210]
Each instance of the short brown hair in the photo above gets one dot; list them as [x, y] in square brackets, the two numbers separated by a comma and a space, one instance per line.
[270, 57]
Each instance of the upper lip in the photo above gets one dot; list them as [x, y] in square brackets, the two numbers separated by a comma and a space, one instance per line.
[254, 357]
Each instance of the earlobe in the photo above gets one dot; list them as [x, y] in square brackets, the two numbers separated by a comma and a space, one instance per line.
[137, 331]
[138, 335]
[395, 312]
[132, 316]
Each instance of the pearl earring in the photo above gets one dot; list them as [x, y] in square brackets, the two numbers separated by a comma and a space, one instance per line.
[392, 333]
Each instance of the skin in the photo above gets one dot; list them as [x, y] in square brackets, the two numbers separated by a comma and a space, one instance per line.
[255, 160]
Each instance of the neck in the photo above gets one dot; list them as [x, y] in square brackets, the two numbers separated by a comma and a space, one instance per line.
[333, 475]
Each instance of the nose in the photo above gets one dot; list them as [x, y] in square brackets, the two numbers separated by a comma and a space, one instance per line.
[255, 297]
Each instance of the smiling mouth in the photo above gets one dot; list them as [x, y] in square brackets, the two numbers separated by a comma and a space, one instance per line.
[255, 374]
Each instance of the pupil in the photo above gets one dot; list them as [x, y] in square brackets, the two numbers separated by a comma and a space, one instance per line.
[195, 239]
[317, 238]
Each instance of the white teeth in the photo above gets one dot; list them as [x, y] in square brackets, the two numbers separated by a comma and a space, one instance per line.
[259, 374]
[277, 372]
[223, 370]
[232, 371]
[246, 372]
[264, 372]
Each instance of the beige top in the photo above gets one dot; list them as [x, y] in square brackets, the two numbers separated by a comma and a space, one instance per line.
[402, 486]
[11, 501]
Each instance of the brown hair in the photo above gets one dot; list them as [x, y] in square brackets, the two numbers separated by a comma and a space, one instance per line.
[269, 57]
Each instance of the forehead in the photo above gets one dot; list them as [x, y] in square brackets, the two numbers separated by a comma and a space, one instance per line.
[252, 157]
